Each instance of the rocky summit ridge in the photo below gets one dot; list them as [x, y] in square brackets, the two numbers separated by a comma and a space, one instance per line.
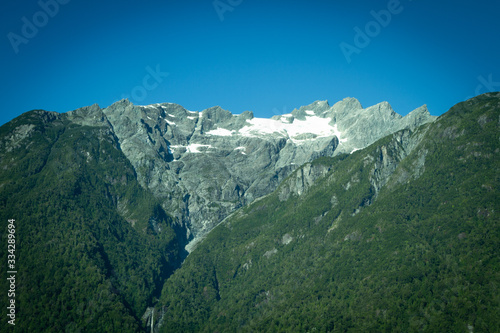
[205, 165]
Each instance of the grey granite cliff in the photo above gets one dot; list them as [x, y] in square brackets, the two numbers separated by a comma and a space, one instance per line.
[205, 165]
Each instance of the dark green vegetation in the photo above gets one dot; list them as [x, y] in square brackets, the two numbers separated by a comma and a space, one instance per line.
[92, 247]
[403, 236]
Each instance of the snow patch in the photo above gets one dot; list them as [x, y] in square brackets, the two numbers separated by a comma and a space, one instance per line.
[310, 112]
[172, 148]
[259, 126]
[193, 148]
[338, 134]
[312, 125]
[220, 132]
[242, 150]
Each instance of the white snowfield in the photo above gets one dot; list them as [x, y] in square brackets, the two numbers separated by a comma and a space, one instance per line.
[316, 121]
[258, 127]
[193, 148]
[221, 132]
[315, 125]
[284, 127]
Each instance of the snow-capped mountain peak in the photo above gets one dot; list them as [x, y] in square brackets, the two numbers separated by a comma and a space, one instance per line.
[224, 161]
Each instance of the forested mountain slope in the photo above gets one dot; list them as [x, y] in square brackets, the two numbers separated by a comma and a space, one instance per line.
[402, 236]
[92, 247]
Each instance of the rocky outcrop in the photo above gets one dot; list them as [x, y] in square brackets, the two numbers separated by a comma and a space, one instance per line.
[301, 180]
[205, 165]
[388, 157]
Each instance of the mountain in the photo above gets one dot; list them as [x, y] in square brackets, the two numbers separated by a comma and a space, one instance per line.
[204, 165]
[106, 200]
[402, 236]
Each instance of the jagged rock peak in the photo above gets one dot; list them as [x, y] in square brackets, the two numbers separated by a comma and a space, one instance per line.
[216, 114]
[420, 112]
[349, 102]
[91, 115]
[382, 108]
[247, 115]
[417, 117]
[344, 108]
[316, 108]
[122, 102]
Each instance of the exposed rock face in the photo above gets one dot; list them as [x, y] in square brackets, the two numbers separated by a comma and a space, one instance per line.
[302, 180]
[204, 165]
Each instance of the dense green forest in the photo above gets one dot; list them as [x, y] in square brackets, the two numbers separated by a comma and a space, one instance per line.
[403, 236]
[92, 247]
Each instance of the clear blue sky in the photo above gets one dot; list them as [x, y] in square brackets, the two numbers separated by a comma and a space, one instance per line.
[265, 56]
